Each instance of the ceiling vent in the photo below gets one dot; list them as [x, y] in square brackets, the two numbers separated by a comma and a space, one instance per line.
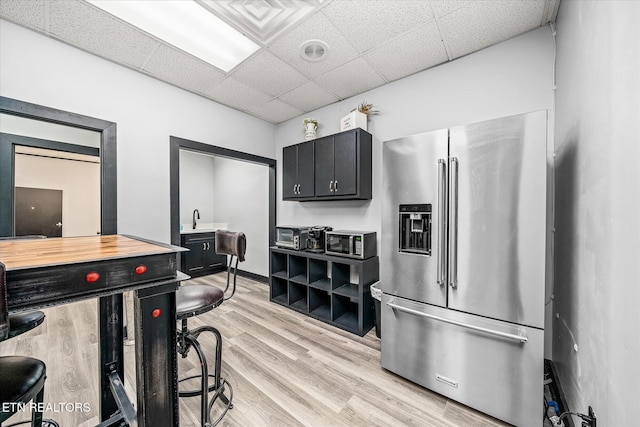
[314, 50]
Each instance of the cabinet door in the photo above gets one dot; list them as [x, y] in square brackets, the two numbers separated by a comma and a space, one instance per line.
[289, 171]
[305, 170]
[324, 166]
[345, 164]
[213, 260]
[194, 259]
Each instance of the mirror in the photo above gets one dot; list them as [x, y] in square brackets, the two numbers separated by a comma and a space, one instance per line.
[32, 134]
[56, 182]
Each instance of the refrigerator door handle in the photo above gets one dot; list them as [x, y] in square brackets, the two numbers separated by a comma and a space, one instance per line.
[441, 259]
[514, 337]
[453, 222]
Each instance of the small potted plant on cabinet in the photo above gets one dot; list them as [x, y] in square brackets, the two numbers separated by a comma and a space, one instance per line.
[357, 118]
[310, 128]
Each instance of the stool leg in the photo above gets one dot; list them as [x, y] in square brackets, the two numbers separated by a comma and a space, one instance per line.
[190, 339]
[36, 415]
[218, 367]
[204, 381]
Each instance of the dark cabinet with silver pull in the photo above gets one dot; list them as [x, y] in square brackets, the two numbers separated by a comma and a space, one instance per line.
[201, 258]
[297, 171]
[340, 168]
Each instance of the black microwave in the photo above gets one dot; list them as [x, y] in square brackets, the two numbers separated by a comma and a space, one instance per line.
[351, 244]
[292, 237]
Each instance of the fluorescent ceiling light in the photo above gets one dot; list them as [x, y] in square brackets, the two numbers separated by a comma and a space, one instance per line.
[187, 26]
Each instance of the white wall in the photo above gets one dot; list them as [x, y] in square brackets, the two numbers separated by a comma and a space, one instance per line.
[80, 185]
[196, 187]
[242, 201]
[38, 69]
[597, 292]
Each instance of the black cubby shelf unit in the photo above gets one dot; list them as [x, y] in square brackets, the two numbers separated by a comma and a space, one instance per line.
[332, 289]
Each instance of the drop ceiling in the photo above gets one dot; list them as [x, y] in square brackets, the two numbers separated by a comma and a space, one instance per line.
[370, 43]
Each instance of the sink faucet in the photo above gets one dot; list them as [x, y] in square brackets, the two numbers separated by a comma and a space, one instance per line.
[196, 215]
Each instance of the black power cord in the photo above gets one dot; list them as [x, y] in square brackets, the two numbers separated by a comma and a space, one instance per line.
[587, 420]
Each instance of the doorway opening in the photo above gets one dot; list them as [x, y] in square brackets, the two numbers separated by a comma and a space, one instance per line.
[233, 174]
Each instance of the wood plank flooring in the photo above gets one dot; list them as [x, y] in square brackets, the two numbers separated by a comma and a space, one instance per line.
[286, 369]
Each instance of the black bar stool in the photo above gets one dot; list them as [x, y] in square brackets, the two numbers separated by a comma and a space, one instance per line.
[22, 377]
[193, 300]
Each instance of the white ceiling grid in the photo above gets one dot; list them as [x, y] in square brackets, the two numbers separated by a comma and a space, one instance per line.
[370, 43]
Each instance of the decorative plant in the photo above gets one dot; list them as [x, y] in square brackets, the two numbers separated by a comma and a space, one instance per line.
[308, 120]
[366, 109]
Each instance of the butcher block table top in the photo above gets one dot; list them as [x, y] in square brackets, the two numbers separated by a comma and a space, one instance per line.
[55, 271]
[30, 253]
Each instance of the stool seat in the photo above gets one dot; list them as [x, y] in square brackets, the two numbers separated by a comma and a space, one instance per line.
[23, 322]
[22, 378]
[192, 300]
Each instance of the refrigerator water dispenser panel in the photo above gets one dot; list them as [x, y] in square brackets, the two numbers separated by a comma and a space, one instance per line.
[415, 228]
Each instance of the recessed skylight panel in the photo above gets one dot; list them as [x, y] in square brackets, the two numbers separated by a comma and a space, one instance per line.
[187, 26]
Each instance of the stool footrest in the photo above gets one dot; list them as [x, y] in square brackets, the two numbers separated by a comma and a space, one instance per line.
[196, 392]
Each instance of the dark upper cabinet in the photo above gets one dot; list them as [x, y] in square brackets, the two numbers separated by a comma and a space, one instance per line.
[341, 165]
[297, 171]
[336, 165]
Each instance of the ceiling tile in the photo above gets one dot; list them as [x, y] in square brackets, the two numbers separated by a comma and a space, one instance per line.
[368, 24]
[181, 69]
[84, 26]
[316, 27]
[30, 14]
[370, 42]
[442, 7]
[350, 79]
[308, 97]
[274, 111]
[268, 73]
[259, 19]
[237, 95]
[483, 23]
[409, 53]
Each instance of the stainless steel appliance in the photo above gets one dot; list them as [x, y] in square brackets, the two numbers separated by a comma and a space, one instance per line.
[463, 263]
[292, 237]
[316, 240]
[351, 244]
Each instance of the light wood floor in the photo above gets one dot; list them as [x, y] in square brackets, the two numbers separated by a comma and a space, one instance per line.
[286, 369]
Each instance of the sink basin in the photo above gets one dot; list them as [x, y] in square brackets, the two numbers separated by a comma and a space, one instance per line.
[203, 227]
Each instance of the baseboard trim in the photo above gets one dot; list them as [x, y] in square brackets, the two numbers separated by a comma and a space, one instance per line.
[253, 276]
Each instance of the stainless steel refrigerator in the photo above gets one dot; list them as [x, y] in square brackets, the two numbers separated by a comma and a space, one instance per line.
[463, 263]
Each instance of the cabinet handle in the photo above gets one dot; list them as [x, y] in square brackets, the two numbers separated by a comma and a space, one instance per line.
[208, 245]
[298, 188]
[335, 186]
[331, 186]
[204, 246]
[294, 189]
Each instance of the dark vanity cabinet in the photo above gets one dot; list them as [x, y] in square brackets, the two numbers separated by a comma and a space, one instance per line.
[297, 171]
[201, 258]
[340, 169]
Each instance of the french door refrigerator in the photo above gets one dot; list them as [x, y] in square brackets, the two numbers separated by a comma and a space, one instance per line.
[463, 263]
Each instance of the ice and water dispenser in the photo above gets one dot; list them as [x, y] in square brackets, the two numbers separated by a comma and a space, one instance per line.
[415, 228]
